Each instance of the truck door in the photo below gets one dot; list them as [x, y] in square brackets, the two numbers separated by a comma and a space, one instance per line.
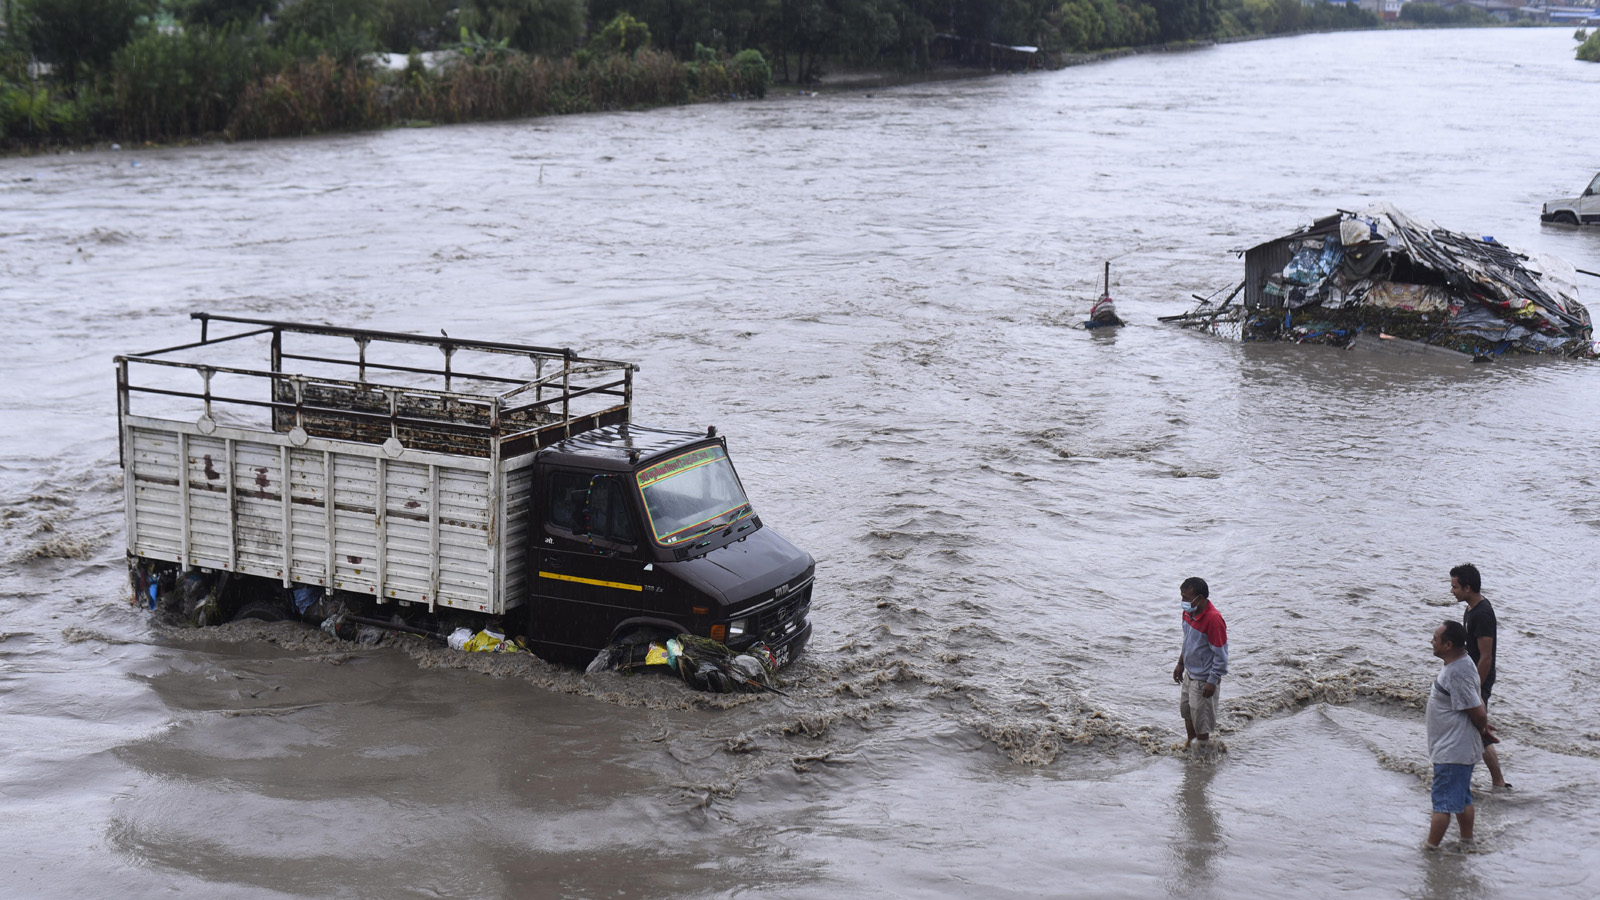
[592, 571]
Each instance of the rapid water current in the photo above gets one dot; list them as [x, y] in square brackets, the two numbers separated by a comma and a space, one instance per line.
[876, 297]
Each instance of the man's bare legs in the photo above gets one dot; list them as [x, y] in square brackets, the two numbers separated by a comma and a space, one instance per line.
[1491, 760]
[1441, 822]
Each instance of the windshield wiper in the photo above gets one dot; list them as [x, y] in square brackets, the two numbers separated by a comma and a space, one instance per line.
[721, 521]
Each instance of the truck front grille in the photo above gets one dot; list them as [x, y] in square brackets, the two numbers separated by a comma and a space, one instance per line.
[784, 618]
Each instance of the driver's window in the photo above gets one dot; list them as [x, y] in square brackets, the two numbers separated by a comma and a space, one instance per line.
[569, 493]
[595, 506]
[608, 511]
[1594, 186]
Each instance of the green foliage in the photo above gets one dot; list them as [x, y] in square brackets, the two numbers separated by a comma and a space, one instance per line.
[532, 26]
[186, 83]
[1432, 15]
[344, 30]
[1589, 50]
[261, 68]
[406, 25]
[753, 72]
[1290, 16]
[222, 13]
[310, 96]
[475, 44]
[31, 112]
[625, 35]
[746, 74]
[79, 37]
[516, 84]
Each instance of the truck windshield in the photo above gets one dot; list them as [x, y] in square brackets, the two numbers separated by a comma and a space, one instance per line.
[692, 494]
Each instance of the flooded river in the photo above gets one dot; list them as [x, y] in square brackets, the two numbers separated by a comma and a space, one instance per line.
[875, 297]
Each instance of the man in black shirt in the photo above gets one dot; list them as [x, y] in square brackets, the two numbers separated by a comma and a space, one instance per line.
[1465, 584]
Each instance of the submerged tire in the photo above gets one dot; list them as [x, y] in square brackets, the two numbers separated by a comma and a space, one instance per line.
[1565, 218]
[261, 611]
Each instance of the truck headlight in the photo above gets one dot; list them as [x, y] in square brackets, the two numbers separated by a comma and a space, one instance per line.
[736, 628]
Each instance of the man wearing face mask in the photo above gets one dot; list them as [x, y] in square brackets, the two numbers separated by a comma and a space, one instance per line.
[1202, 663]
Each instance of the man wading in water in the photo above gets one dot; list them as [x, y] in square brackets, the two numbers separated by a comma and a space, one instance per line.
[1458, 730]
[1202, 663]
[1465, 584]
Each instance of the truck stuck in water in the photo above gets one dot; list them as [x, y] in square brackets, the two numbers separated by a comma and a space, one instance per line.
[433, 483]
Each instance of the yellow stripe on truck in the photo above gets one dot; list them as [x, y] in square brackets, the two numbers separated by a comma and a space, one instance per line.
[594, 581]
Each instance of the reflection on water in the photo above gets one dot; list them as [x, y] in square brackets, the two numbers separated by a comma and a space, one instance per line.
[1451, 875]
[1198, 842]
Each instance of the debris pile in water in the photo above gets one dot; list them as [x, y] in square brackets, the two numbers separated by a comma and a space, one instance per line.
[1382, 273]
[702, 663]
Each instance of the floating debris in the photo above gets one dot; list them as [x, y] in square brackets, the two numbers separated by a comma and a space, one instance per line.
[702, 663]
[1104, 312]
[1381, 274]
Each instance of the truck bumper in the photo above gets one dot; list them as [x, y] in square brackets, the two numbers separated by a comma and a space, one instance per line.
[791, 648]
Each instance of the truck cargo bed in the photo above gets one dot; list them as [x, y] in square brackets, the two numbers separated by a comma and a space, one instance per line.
[418, 488]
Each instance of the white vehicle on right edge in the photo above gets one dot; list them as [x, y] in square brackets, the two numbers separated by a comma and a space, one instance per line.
[1583, 209]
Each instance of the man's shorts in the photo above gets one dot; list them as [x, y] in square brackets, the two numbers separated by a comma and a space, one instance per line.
[1201, 711]
[1452, 787]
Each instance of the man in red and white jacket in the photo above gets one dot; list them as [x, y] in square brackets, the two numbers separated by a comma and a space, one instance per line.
[1202, 663]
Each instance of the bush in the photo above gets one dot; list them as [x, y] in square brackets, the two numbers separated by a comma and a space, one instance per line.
[623, 35]
[753, 72]
[309, 97]
[1589, 50]
[1431, 14]
[179, 85]
[340, 29]
[406, 25]
[533, 26]
[79, 37]
[34, 113]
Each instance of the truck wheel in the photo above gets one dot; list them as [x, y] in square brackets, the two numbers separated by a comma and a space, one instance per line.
[261, 611]
[1565, 218]
[641, 634]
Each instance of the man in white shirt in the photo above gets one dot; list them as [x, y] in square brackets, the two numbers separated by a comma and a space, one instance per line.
[1458, 728]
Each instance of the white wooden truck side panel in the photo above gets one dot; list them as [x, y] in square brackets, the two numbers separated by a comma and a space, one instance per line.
[423, 528]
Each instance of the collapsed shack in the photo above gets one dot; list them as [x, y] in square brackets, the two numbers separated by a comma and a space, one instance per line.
[1383, 274]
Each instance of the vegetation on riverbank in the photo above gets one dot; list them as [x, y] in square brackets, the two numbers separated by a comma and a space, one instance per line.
[1589, 49]
[74, 71]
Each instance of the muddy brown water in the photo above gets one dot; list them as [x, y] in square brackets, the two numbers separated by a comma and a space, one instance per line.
[875, 296]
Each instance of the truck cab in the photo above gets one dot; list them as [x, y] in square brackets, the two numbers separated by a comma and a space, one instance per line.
[1583, 209]
[648, 531]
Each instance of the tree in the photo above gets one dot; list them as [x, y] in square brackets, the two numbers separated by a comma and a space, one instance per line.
[404, 25]
[623, 35]
[533, 26]
[79, 37]
[221, 13]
